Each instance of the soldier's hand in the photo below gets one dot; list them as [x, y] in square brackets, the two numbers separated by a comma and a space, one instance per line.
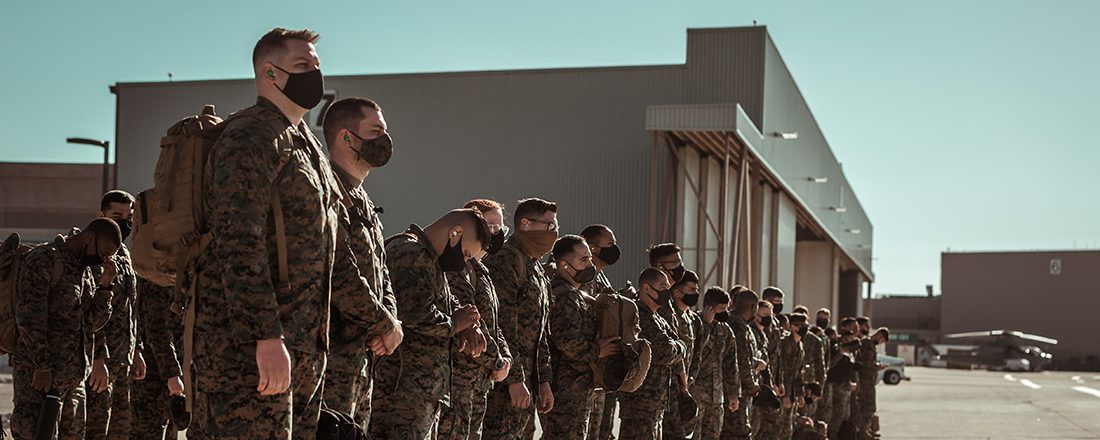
[801, 402]
[753, 391]
[175, 386]
[761, 365]
[546, 398]
[502, 372]
[780, 391]
[110, 269]
[42, 380]
[273, 363]
[100, 376]
[139, 366]
[786, 403]
[521, 397]
[734, 405]
[465, 317]
[474, 342]
[608, 346]
[386, 344]
[853, 386]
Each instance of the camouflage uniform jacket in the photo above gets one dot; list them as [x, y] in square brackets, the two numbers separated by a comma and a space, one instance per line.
[671, 315]
[363, 303]
[717, 370]
[769, 375]
[56, 318]
[815, 358]
[792, 362]
[689, 327]
[260, 155]
[421, 365]
[119, 336]
[474, 286]
[598, 285]
[867, 363]
[667, 351]
[523, 290]
[747, 353]
[159, 329]
[573, 341]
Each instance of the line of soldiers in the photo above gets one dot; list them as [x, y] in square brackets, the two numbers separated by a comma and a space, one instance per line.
[453, 330]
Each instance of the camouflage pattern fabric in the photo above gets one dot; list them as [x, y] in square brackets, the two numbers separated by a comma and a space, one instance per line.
[717, 377]
[738, 424]
[159, 330]
[109, 413]
[574, 350]
[641, 412]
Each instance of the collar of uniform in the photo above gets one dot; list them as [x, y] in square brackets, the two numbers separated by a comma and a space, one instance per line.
[349, 182]
[266, 104]
[60, 244]
[514, 242]
[558, 280]
[418, 232]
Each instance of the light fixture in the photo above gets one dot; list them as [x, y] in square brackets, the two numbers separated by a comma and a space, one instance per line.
[838, 209]
[818, 179]
[854, 231]
[786, 135]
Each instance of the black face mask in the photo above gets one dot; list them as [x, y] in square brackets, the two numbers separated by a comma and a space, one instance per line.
[777, 308]
[765, 322]
[610, 254]
[305, 89]
[452, 259]
[125, 227]
[90, 260]
[677, 273]
[496, 243]
[823, 323]
[663, 296]
[722, 316]
[584, 275]
[377, 152]
[691, 299]
[802, 330]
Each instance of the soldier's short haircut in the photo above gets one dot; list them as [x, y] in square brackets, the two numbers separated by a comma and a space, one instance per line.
[884, 332]
[745, 299]
[714, 296]
[532, 207]
[275, 40]
[830, 331]
[766, 305]
[772, 292]
[481, 227]
[484, 205]
[847, 321]
[802, 309]
[566, 246]
[662, 250]
[863, 320]
[115, 196]
[345, 113]
[825, 310]
[593, 233]
[689, 277]
[105, 228]
[651, 275]
[782, 318]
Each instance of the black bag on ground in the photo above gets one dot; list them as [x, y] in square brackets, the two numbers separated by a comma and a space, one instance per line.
[335, 425]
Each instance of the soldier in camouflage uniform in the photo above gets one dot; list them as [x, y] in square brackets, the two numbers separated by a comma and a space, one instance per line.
[867, 369]
[641, 412]
[750, 362]
[685, 295]
[573, 341]
[263, 284]
[523, 289]
[717, 384]
[413, 383]
[58, 304]
[364, 312]
[793, 362]
[108, 409]
[472, 378]
[605, 252]
[842, 380]
[159, 330]
[767, 331]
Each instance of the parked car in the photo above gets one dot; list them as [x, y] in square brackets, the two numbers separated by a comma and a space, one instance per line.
[894, 372]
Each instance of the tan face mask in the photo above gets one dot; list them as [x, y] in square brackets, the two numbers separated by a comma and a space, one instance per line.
[537, 243]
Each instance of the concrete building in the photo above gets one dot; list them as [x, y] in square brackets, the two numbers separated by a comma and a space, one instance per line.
[720, 154]
[41, 200]
[1048, 293]
[914, 322]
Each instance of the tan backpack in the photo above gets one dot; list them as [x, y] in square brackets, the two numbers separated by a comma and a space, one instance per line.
[11, 260]
[626, 371]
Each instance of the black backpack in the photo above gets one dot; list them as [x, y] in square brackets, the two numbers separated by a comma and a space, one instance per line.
[335, 425]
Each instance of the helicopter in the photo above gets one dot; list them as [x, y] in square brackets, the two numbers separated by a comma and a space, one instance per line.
[1001, 350]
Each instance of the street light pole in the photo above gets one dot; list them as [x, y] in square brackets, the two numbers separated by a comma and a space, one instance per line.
[97, 143]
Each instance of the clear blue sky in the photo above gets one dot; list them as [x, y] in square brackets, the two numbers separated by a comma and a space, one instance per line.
[967, 125]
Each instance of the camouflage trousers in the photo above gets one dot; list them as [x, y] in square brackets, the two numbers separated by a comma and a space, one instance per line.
[505, 422]
[28, 403]
[109, 413]
[349, 385]
[463, 419]
[227, 405]
[823, 408]
[709, 424]
[737, 425]
[787, 417]
[864, 412]
[840, 407]
[602, 420]
[399, 416]
[767, 423]
[572, 409]
[150, 397]
[640, 418]
[673, 427]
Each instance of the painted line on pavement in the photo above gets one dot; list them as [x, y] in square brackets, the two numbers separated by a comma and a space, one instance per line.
[1010, 378]
[1090, 391]
[1030, 384]
[1077, 379]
